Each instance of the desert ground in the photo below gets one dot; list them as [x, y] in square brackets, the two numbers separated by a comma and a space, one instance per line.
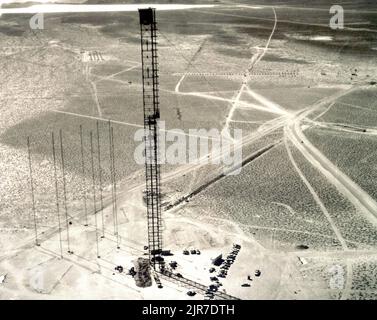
[304, 206]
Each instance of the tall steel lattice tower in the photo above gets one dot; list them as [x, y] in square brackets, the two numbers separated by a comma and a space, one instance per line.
[151, 131]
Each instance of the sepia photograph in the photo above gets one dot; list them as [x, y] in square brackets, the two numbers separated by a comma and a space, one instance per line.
[188, 150]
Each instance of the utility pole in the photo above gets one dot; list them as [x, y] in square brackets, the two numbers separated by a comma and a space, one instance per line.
[94, 192]
[111, 174]
[32, 193]
[64, 189]
[57, 194]
[100, 179]
[83, 177]
[115, 190]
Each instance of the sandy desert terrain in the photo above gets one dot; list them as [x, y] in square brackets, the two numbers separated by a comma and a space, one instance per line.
[304, 206]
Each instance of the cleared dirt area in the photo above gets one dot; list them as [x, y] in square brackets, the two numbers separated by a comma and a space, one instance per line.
[303, 208]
